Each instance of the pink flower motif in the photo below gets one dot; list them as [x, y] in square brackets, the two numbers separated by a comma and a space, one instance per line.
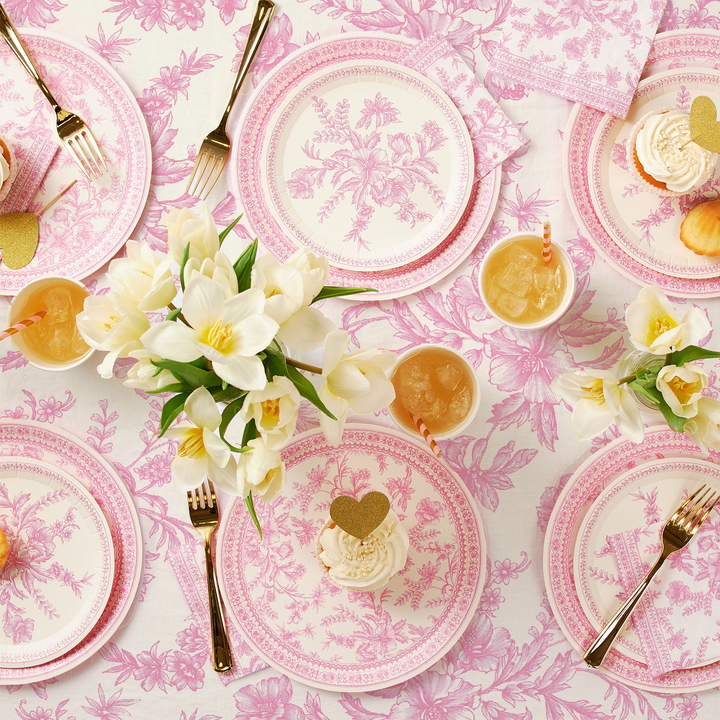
[17, 414]
[227, 8]
[380, 110]
[482, 646]
[37, 714]
[186, 13]
[392, 191]
[619, 156]
[575, 48]
[490, 600]
[155, 103]
[428, 511]
[432, 696]
[688, 707]
[151, 13]
[300, 185]
[191, 640]
[400, 144]
[152, 670]
[37, 12]
[188, 670]
[369, 166]
[156, 470]
[677, 592]
[21, 629]
[268, 700]
[50, 409]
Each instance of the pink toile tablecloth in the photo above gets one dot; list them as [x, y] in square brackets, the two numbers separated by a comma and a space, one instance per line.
[513, 662]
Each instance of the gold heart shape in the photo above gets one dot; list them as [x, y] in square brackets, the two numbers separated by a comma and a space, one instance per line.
[18, 238]
[359, 519]
[704, 128]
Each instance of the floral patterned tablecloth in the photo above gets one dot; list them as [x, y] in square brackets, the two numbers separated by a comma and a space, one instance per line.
[177, 57]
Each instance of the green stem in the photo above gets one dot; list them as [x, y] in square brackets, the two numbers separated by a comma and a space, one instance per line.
[627, 379]
[180, 316]
[303, 366]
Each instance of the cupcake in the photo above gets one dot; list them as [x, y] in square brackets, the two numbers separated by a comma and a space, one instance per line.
[366, 564]
[662, 157]
[4, 549]
[8, 168]
[700, 230]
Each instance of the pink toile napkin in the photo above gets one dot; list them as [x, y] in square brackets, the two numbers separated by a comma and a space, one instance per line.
[188, 563]
[678, 620]
[494, 136]
[588, 52]
[34, 153]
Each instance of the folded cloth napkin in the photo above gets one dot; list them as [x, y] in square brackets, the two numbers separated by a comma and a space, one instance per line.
[494, 136]
[678, 620]
[34, 153]
[588, 52]
[186, 562]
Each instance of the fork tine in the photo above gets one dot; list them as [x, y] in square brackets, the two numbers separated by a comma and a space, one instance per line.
[92, 163]
[71, 149]
[703, 512]
[677, 513]
[218, 173]
[207, 175]
[211, 488]
[95, 149]
[692, 511]
[203, 158]
[190, 500]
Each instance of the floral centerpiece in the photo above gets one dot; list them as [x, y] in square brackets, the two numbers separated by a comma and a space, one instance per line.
[224, 343]
[665, 375]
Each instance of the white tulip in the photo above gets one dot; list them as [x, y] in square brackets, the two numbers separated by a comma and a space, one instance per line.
[703, 427]
[314, 270]
[654, 325]
[229, 333]
[108, 323]
[598, 401]
[682, 387]
[219, 269]
[275, 411]
[260, 471]
[201, 453]
[184, 227]
[143, 375]
[142, 278]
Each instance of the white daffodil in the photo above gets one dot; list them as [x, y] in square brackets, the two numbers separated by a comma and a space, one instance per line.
[201, 453]
[185, 227]
[260, 471]
[703, 427]
[107, 323]
[275, 411]
[143, 375]
[682, 387]
[355, 380]
[598, 401]
[654, 325]
[219, 269]
[229, 333]
[314, 270]
[142, 278]
[302, 328]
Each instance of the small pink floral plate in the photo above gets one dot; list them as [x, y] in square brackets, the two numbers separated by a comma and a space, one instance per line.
[647, 226]
[59, 571]
[25, 441]
[293, 617]
[90, 223]
[290, 153]
[639, 498]
[587, 483]
[671, 50]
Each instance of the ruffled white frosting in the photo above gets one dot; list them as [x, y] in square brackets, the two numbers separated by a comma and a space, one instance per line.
[658, 148]
[369, 563]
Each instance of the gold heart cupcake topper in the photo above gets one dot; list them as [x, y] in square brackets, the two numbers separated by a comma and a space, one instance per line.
[704, 127]
[359, 519]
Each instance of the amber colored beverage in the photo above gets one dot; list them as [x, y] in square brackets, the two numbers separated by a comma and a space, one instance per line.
[55, 338]
[434, 385]
[519, 286]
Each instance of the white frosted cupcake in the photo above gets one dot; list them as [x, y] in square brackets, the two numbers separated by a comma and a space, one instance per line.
[367, 564]
[661, 156]
[8, 168]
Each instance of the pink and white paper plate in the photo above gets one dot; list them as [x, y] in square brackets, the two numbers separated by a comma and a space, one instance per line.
[587, 483]
[247, 168]
[672, 50]
[23, 439]
[639, 498]
[298, 621]
[59, 571]
[90, 223]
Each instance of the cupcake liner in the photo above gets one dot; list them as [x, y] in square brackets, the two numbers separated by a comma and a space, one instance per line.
[5, 187]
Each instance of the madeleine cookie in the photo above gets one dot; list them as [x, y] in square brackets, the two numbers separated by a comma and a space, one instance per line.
[700, 230]
[4, 549]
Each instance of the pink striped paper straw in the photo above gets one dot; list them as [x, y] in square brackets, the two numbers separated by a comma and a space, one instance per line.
[429, 439]
[39, 315]
[547, 243]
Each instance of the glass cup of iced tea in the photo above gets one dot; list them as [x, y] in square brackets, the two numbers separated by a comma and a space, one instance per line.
[519, 288]
[54, 342]
[437, 385]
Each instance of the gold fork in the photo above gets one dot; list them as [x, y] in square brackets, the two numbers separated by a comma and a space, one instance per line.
[679, 530]
[216, 146]
[72, 129]
[204, 517]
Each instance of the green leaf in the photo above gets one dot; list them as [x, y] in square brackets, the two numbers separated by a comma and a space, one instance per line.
[186, 255]
[676, 423]
[172, 315]
[643, 390]
[275, 362]
[225, 232]
[307, 390]
[330, 291]
[689, 354]
[251, 510]
[228, 414]
[171, 409]
[191, 374]
[230, 393]
[243, 265]
[250, 432]
[174, 388]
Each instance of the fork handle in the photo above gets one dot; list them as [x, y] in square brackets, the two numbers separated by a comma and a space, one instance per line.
[596, 653]
[261, 21]
[222, 659]
[7, 30]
